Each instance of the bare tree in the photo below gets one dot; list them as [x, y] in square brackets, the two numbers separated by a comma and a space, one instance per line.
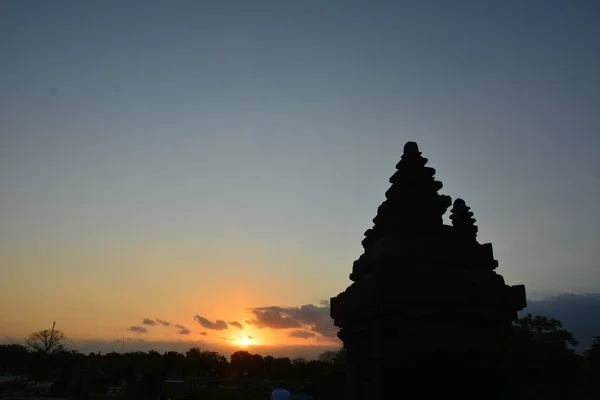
[47, 341]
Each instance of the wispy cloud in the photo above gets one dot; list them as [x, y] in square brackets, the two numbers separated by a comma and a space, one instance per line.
[184, 332]
[236, 324]
[148, 321]
[301, 334]
[163, 322]
[137, 329]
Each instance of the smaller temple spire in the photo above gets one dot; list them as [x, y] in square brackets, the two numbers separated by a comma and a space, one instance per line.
[462, 220]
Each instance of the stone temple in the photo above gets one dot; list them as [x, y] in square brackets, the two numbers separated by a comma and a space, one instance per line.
[426, 313]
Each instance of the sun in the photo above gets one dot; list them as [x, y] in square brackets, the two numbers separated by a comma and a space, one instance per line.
[245, 341]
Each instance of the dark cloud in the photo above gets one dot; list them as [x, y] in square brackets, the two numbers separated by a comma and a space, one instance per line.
[180, 326]
[184, 332]
[236, 324]
[218, 325]
[147, 321]
[579, 313]
[301, 334]
[138, 329]
[203, 334]
[163, 322]
[272, 317]
[227, 339]
[310, 317]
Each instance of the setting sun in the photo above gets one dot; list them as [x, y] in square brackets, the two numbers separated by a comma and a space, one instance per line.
[245, 341]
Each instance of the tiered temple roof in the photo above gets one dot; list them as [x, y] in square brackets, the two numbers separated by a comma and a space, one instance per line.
[409, 223]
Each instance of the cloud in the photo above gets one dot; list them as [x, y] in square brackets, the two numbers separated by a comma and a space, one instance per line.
[184, 332]
[272, 317]
[218, 325]
[203, 334]
[138, 329]
[579, 313]
[180, 326]
[301, 334]
[310, 317]
[163, 322]
[236, 324]
[147, 321]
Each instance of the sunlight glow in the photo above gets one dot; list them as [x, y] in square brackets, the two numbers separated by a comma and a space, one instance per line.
[245, 341]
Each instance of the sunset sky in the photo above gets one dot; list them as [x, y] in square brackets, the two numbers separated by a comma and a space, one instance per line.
[204, 161]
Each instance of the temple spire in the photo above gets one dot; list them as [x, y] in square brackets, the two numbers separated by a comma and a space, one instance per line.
[412, 207]
[412, 202]
[463, 221]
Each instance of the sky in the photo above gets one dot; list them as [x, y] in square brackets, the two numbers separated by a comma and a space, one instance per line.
[197, 162]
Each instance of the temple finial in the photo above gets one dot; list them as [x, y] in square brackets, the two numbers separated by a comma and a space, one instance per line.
[462, 220]
[411, 149]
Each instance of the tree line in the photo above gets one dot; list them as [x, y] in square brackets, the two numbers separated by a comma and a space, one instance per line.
[539, 358]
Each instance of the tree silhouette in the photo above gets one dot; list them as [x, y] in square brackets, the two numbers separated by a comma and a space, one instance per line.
[206, 363]
[539, 356]
[592, 355]
[540, 330]
[244, 363]
[333, 357]
[541, 362]
[46, 341]
[14, 357]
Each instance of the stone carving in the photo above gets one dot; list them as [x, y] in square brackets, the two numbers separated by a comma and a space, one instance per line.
[424, 296]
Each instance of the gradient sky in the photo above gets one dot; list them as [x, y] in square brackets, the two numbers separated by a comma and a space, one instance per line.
[167, 159]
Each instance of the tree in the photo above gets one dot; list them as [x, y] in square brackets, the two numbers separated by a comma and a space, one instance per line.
[14, 357]
[46, 341]
[592, 361]
[206, 362]
[540, 358]
[333, 357]
[174, 362]
[242, 362]
[540, 330]
[592, 355]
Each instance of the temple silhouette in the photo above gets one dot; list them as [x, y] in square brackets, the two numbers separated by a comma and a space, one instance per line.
[426, 313]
